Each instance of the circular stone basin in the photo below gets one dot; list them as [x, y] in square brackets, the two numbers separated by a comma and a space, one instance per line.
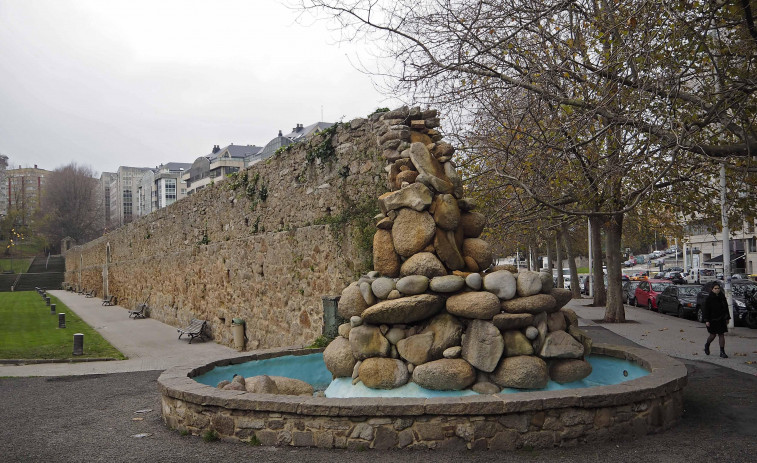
[311, 369]
[555, 416]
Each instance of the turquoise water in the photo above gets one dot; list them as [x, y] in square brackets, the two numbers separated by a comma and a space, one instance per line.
[311, 369]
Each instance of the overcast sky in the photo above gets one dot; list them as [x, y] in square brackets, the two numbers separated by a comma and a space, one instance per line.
[106, 83]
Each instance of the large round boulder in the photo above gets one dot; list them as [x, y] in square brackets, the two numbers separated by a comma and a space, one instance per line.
[445, 375]
[472, 223]
[483, 345]
[352, 302]
[556, 322]
[412, 284]
[367, 341]
[262, 384]
[522, 372]
[478, 250]
[546, 282]
[475, 304]
[562, 296]
[412, 231]
[500, 283]
[423, 263]
[338, 358]
[569, 370]
[516, 343]
[383, 373]
[415, 349]
[528, 283]
[447, 284]
[559, 344]
[512, 321]
[404, 310]
[447, 331]
[386, 261]
[535, 304]
[292, 386]
[446, 248]
[381, 287]
[446, 212]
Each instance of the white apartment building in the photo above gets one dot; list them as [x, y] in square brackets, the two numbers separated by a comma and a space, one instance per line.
[160, 187]
[703, 247]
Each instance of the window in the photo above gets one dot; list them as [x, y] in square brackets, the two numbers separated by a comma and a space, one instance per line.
[127, 203]
[170, 191]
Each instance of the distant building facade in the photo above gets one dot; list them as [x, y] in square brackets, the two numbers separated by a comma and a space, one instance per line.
[23, 190]
[122, 194]
[215, 166]
[161, 187]
[106, 179]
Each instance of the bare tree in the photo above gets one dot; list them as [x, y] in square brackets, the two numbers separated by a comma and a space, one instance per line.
[71, 206]
[613, 94]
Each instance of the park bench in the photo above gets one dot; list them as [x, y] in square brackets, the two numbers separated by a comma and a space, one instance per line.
[196, 328]
[139, 312]
[91, 293]
[110, 300]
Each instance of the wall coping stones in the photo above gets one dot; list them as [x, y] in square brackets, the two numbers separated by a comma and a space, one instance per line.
[666, 376]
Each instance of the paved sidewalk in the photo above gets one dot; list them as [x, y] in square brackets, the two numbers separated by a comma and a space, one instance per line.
[152, 345]
[676, 337]
[148, 344]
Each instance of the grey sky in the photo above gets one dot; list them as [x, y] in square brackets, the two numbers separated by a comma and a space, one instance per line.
[108, 83]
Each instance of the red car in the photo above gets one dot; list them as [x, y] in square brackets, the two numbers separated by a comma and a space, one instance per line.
[647, 291]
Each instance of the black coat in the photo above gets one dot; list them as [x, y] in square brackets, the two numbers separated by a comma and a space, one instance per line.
[716, 312]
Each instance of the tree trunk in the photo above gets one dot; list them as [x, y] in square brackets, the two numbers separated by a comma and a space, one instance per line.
[558, 256]
[600, 295]
[614, 311]
[550, 263]
[574, 287]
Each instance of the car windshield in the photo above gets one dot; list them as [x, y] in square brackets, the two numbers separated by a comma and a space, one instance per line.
[659, 287]
[738, 290]
[688, 291]
[708, 272]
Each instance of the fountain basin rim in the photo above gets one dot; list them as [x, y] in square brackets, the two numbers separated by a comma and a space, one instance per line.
[667, 375]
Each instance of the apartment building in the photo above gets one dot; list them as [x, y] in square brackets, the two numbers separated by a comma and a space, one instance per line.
[23, 189]
[703, 247]
[214, 167]
[122, 194]
[161, 187]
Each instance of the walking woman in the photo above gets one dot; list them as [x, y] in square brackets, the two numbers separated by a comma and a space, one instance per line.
[716, 316]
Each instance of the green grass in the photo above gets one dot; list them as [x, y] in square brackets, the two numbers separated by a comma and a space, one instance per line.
[29, 331]
[20, 265]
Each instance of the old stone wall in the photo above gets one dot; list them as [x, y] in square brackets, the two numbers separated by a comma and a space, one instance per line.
[263, 246]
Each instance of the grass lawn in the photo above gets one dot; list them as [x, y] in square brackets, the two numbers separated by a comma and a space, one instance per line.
[20, 265]
[28, 331]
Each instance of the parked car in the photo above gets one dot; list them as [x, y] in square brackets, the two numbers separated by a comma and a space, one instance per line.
[628, 295]
[680, 300]
[738, 303]
[677, 278]
[701, 276]
[738, 296]
[647, 291]
[739, 276]
[677, 269]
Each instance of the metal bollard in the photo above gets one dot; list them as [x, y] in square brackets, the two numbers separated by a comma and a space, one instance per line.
[52, 309]
[47, 301]
[61, 320]
[78, 344]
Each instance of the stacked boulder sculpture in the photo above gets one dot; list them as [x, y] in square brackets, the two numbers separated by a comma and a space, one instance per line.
[434, 310]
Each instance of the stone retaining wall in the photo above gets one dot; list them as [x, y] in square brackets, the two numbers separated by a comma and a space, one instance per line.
[266, 251]
[497, 422]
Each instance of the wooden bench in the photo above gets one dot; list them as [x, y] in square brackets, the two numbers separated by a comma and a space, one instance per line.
[91, 293]
[195, 329]
[139, 312]
[110, 301]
